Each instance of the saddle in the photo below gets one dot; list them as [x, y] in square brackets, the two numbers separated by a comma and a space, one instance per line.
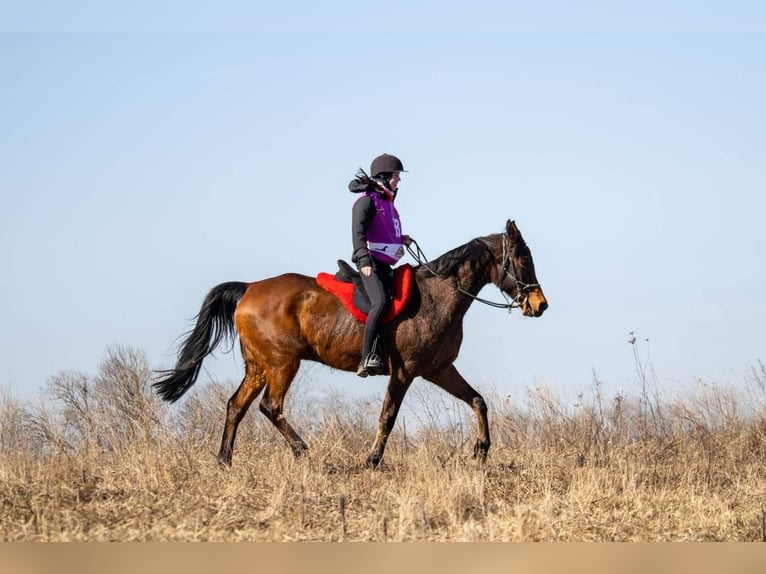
[346, 285]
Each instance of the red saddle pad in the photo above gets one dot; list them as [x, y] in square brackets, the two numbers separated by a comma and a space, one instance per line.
[345, 292]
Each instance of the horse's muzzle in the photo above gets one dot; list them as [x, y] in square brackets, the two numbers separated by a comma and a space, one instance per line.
[535, 304]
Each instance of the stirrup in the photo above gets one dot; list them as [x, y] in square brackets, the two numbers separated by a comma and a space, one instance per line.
[374, 364]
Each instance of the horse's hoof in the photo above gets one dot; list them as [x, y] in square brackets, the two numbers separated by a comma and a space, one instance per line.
[299, 449]
[480, 451]
[373, 461]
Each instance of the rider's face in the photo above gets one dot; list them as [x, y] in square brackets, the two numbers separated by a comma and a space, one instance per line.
[395, 179]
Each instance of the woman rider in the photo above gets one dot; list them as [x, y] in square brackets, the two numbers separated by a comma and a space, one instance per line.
[378, 243]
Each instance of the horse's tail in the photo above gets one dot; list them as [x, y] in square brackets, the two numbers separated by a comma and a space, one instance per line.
[215, 322]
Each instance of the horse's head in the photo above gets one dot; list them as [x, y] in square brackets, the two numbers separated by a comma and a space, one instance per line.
[514, 271]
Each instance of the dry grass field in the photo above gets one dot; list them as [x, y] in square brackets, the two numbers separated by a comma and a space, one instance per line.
[99, 458]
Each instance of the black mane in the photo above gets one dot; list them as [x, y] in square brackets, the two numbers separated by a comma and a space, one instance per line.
[476, 250]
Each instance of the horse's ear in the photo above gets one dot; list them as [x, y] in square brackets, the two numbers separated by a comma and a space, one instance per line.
[511, 229]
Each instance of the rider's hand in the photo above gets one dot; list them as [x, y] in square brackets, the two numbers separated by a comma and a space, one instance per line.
[366, 271]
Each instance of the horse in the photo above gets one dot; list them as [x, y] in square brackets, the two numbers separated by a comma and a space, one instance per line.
[289, 318]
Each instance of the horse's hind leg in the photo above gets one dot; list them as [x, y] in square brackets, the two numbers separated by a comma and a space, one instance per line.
[273, 401]
[240, 401]
[453, 382]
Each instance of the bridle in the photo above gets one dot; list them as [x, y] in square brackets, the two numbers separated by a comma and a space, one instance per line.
[509, 269]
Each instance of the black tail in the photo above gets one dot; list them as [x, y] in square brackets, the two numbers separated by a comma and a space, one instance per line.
[215, 322]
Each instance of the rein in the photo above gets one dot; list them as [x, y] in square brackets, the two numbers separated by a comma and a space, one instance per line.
[509, 269]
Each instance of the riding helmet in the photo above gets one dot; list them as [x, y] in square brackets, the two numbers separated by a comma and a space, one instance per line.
[385, 163]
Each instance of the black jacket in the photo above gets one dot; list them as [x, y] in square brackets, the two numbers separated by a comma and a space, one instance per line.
[361, 215]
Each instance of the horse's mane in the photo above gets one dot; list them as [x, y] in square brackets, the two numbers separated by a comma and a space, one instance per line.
[476, 250]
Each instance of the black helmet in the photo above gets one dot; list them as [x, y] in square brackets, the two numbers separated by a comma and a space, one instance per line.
[385, 163]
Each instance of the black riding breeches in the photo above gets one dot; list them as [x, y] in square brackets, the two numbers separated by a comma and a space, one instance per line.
[375, 285]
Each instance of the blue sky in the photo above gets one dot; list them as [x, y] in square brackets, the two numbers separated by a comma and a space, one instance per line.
[140, 167]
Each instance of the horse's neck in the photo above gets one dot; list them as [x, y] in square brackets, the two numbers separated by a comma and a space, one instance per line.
[472, 280]
[448, 300]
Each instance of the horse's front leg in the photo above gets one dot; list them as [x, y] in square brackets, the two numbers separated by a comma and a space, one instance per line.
[397, 388]
[453, 382]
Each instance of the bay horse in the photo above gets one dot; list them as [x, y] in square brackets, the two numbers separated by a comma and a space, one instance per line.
[284, 320]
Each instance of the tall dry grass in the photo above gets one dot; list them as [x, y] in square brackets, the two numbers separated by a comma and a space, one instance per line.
[100, 458]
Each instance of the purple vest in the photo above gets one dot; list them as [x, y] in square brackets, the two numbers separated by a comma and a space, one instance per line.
[384, 235]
